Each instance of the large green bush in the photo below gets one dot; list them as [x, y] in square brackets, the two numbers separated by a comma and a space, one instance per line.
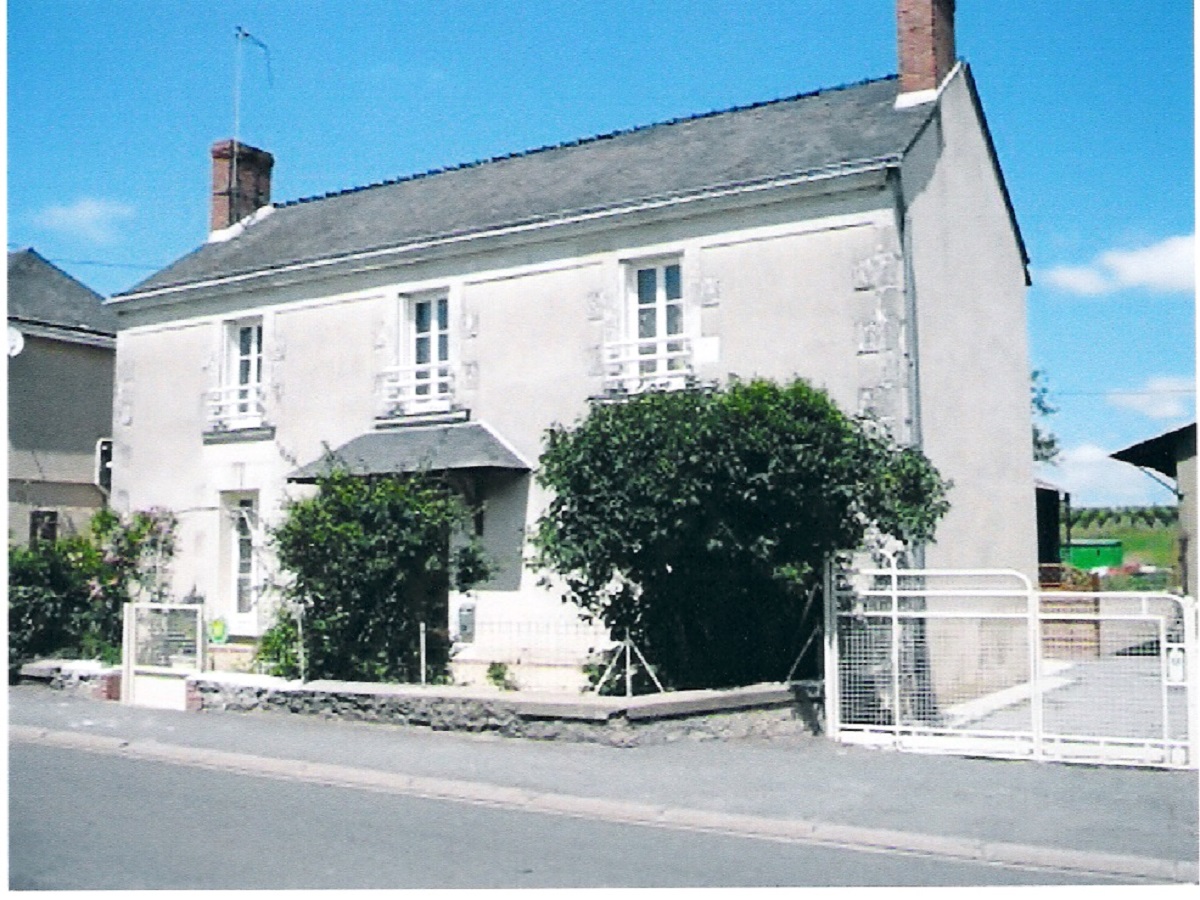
[698, 521]
[66, 598]
[367, 561]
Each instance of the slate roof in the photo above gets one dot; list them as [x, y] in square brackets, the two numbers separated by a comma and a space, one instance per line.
[40, 292]
[435, 448]
[806, 134]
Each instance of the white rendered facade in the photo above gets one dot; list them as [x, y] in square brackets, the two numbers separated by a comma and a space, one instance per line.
[896, 286]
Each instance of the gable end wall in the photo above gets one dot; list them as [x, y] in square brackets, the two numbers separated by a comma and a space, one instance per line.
[968, 278]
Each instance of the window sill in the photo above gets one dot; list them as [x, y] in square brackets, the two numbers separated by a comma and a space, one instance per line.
[239, 435]
[446, 417]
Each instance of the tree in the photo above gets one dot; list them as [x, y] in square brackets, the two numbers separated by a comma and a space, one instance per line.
[1045, 443]
[698, 521]
[369, 560]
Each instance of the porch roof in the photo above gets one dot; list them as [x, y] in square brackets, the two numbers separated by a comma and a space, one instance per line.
[416, 448]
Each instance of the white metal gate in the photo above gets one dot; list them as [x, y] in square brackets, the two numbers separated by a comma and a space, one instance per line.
[983, 663]
[163, 644]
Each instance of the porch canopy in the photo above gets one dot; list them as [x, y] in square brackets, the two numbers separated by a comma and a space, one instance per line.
[419, 448]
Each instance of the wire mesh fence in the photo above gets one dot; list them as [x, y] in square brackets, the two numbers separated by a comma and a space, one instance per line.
[544, 641]
[981, 662]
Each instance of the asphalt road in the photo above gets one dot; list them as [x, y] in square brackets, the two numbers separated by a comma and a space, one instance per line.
[80, 820]
[102, 791]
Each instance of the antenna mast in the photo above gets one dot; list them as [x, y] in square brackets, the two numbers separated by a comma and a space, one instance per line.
[238, 34]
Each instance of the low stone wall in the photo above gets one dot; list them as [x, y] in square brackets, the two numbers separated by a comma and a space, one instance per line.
[760, 710]
[82, 677]
[756, 711]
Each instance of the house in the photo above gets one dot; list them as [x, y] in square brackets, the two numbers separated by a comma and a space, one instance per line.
[61, 352]
[1173, 455]
[860, 237]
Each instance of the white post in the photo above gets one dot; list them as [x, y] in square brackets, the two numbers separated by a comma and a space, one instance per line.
[897, 703]
[127, 652]
[422, 653]
[833, 713]
[1033, 609]
[300, 643]
[628, 668]
[1191, 650]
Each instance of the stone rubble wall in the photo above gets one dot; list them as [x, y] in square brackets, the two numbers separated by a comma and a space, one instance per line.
[767, 710]
[760, 711]
[84, 678]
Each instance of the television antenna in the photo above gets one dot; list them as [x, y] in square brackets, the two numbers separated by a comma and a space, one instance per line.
[241, 35]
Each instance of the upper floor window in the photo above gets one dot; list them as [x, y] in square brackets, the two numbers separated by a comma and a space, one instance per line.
[656, 350]
[238, 400]
[423, 379]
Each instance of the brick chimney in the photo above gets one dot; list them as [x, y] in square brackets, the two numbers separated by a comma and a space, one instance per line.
[232, 202]
[926, 43]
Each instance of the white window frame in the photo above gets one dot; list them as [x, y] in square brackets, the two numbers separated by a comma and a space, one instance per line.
[238, 400]
[656, 348]
[423, 380]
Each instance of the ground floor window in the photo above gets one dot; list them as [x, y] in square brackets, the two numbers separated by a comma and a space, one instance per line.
[43, 526]
[241, 565]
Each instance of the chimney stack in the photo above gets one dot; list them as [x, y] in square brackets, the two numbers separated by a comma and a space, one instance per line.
[240, 186]
[926, 39]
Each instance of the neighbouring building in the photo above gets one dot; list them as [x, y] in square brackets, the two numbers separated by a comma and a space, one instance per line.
[61, 352]
[860, 237]
[1173, 455]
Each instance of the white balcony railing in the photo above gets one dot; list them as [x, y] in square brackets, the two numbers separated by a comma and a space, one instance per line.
[235, 406]
[410, 390]
[650, 364]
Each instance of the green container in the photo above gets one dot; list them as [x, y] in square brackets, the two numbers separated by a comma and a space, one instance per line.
[1094, 554]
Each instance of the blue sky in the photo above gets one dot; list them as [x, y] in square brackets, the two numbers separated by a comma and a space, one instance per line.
[113, 104]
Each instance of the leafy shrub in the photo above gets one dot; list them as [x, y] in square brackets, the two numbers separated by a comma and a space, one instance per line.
[368, 560]
[278, 649]
[698, 521]
[498, 676]
[66, 598]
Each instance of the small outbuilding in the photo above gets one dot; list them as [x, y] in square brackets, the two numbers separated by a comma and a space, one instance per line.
[1173, 455]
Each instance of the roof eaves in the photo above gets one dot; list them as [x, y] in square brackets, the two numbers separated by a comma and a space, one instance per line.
[75, 334]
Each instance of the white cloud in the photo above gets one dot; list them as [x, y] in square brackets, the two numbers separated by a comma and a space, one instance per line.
[89, 218]
[1093, 478]
[1165, 397]
[1167, 267]
[1077, 280]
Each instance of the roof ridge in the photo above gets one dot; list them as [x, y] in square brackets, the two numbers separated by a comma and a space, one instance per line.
[576, 142]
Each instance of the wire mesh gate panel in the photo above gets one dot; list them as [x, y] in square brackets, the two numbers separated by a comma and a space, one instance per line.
[982, 663]
[163, 644]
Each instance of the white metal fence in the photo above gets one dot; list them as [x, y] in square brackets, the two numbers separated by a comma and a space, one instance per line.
[981, 662]
[549, 641]
[163, 644]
